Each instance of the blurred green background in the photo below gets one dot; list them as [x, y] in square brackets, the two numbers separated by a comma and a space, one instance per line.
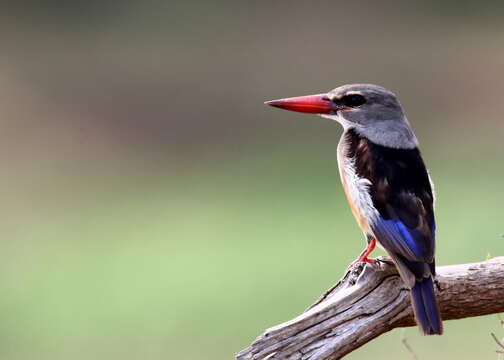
[154, 208]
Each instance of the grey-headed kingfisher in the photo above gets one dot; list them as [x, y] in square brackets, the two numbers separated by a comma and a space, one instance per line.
[386, 184]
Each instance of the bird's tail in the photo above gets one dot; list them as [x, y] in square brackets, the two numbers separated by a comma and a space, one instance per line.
[426, 308]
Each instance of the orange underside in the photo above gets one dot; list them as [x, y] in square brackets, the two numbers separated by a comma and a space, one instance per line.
[361, 220]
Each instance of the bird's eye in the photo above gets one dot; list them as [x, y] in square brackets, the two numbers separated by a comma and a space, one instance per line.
[353, 100]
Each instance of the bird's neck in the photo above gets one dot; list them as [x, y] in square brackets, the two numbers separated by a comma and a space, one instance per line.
[391, 134]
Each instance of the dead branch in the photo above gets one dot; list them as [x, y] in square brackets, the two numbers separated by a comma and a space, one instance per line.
[370, 300]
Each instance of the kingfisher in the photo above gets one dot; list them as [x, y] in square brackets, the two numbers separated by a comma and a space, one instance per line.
[386, 184]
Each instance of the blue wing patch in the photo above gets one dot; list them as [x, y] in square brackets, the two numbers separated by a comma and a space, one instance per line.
[396, 237]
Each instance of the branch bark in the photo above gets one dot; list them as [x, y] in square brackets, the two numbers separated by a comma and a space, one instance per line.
[370, 300]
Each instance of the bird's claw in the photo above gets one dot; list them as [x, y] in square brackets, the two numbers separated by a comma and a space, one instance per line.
[363, 260]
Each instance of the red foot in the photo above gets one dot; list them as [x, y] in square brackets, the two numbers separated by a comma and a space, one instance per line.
[364, 255]
[367, 260]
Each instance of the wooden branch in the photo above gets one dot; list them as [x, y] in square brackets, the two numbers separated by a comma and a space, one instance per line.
[371, 300]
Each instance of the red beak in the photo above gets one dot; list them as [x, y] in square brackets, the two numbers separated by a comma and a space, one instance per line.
[312, 104]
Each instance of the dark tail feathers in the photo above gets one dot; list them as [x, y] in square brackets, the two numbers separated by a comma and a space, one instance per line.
[426, 308]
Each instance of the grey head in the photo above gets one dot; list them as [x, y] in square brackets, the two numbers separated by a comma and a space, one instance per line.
[372, 111]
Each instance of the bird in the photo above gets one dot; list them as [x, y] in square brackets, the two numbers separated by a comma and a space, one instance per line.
[386, 183]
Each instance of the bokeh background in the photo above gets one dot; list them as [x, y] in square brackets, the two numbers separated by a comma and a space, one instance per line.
[154, 208]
